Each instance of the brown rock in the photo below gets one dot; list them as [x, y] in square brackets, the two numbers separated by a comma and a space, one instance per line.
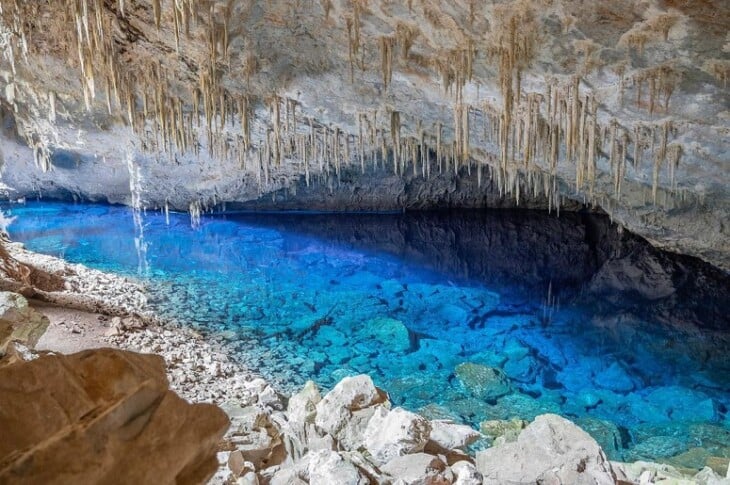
[102, 416]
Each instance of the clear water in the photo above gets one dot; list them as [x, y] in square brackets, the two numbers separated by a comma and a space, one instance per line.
[630, 342]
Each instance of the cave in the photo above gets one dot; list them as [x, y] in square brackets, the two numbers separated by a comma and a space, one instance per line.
[365, 241]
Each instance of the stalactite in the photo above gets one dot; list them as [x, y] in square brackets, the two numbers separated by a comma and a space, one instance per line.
[659, 158]
[52, 107]
[439, 154]
[157, 12]
[386, 53]
[244, 115]
[406, 34]
[395, 138]
[674, 154]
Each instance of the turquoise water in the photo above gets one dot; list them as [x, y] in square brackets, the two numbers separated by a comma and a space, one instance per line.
[472, 315]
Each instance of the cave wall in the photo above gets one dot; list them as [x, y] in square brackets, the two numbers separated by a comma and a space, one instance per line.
[362, 105]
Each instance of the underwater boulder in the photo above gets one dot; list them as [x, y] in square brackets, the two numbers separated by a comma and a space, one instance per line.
[521, 370]
[506, 430]
[392, 334]
[615, 378]
[453, 314]
[656, 447]
[523, 406]
[605, 433]
[673, 403]
[483, 382]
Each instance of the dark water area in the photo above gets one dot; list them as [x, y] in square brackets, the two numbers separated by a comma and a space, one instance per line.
[473, 315]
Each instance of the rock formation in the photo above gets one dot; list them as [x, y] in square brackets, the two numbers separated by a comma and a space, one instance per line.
[102, 416]
[19, 322]
[352, 104]
[98, 416]
[354, 436]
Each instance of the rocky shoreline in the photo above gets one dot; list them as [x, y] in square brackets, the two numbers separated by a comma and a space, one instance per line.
[350, 435]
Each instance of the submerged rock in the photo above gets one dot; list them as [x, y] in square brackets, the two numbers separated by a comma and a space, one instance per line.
[605, 433]
[550, 450]
[506, 430]
[615, 378]
[390, 333]
[482, 382]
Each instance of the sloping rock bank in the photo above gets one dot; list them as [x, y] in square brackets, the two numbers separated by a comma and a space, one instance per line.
[353, 436]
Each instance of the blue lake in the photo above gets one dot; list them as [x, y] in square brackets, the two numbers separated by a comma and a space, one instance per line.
[470, 315]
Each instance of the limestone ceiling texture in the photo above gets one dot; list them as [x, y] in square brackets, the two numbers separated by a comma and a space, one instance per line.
[314, 103]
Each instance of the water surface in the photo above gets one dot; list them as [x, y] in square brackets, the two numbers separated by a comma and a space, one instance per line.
[576, 317]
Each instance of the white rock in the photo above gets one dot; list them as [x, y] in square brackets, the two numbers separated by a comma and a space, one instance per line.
[350, 394]
[249, 478]
[707, 476]
[270, 398]
[329, 467]
[302, 407]
[287, 476]
[552, 450]
[418, 469]
[466, 473]
[452, 436]
[394, 433]
[351, 436]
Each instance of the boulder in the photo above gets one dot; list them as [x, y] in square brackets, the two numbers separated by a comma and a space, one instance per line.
[394, 433]
[487, 383]
[614, 378]
[350, 394]
[707, 476]
[507, 430]
[418, 469]
[647, 472]
[451, 436]
[351, 436]
[550, 450]
[466, 473]
[19, 322]
[605, 433]
[102, 416]
[286, 476]
[302, 406]
[326, 466]
[390, 333]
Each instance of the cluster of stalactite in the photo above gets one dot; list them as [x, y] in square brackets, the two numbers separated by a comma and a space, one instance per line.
[535, 133]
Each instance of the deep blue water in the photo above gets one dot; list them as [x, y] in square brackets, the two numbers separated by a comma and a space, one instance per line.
[582, 320]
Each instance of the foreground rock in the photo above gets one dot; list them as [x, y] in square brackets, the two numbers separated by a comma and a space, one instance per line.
[550, 450]
[352, 436]
[19, 322]
[102, 416]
